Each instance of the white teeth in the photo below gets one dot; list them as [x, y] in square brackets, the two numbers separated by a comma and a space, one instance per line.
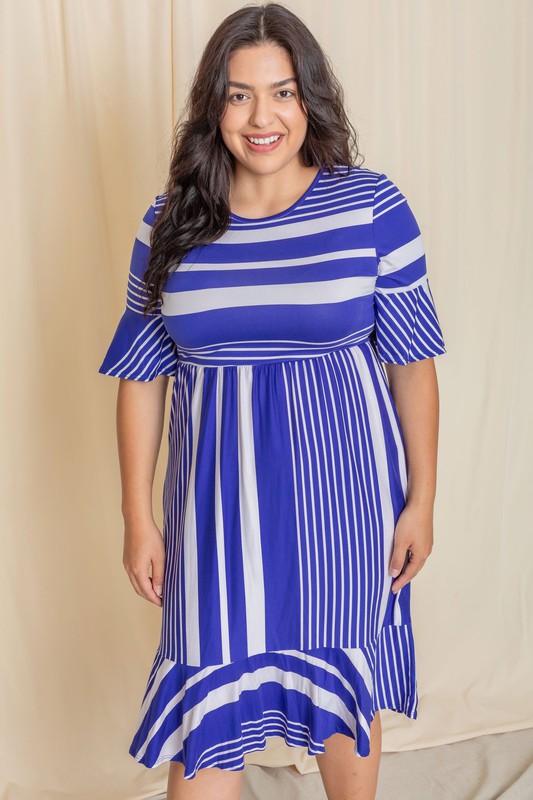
[270, 140]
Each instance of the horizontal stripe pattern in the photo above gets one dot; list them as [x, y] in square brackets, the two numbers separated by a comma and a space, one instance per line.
[213, 716]
[268, 352]
[407, 326]
[316, 293]
[286, 473]
[141, 348]
[363, 271]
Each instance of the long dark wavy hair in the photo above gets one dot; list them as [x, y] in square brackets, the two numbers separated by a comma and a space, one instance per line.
[197, 209]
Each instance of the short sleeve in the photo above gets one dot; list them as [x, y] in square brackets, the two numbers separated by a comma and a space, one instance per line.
[141, 347]
[406, 324]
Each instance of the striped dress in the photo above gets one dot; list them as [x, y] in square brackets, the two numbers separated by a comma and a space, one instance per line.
[286, 472]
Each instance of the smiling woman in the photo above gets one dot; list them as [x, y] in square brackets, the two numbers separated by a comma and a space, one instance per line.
[274, 279]
[264, 127]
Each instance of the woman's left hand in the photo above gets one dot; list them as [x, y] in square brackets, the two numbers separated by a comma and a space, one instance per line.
[414, 532]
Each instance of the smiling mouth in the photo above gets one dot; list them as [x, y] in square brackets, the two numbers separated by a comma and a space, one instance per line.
[264, 140]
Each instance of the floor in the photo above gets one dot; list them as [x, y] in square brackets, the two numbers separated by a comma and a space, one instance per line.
[493, 767]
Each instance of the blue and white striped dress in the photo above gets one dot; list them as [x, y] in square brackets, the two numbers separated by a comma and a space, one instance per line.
[286, 472]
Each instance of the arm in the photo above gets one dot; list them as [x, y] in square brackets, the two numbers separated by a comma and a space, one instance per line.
[414, 388]
[140, 418]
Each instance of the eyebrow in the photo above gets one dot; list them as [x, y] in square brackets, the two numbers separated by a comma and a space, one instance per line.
[275, 85]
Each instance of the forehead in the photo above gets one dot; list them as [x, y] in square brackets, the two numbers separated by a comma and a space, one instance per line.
[266, 62]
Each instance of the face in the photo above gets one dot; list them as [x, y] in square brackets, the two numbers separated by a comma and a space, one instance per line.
[258, 108]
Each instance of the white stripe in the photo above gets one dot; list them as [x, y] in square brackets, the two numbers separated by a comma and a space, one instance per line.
[397, 611]
[317, 597]
[162, 671]
[249, 516]
[190, 554]
[289, 398]
[273, 723]
[402, 289]
[300, 504]
[219, 528]
[311, 293]
[320, 351]
[280, 344]
[135, 281]
[343, 189]
[402, 256]
[330, 579]
[172, 629]
[321, 203]
[395, 677]
[229, 693]
[184, 460]
[131, 362]
[144, 232]
[372, 497]
[291, 230]
[381, 461]
[356, 656]
[356, 481]
[387, 399]
[321, 258]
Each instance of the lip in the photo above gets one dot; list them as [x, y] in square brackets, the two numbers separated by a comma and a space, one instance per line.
[263, 148]
[264, 135]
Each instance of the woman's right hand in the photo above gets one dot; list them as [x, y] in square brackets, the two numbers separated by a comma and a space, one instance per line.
[144, 547]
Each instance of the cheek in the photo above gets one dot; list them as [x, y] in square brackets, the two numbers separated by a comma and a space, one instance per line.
[232, 121]
[300, 125]
[297, 120]
[228, 123]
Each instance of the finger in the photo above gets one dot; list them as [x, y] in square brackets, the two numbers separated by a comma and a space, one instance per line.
[145, 582]
[399, 558]
[158, 577]
[412, 569]
[143, 586]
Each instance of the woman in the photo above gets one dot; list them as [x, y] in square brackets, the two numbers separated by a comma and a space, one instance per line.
[286, 292]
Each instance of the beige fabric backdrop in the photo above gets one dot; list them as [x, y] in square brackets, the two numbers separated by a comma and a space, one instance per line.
[441, 95]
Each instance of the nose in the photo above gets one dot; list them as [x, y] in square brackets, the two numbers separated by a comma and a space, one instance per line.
[261, 113]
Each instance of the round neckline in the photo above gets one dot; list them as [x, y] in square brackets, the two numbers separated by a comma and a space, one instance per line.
[287, 210]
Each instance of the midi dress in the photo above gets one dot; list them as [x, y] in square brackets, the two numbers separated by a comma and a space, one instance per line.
[286, 472]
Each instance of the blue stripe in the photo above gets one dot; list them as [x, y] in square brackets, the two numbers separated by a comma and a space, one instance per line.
[276, 492]
[230, 500]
